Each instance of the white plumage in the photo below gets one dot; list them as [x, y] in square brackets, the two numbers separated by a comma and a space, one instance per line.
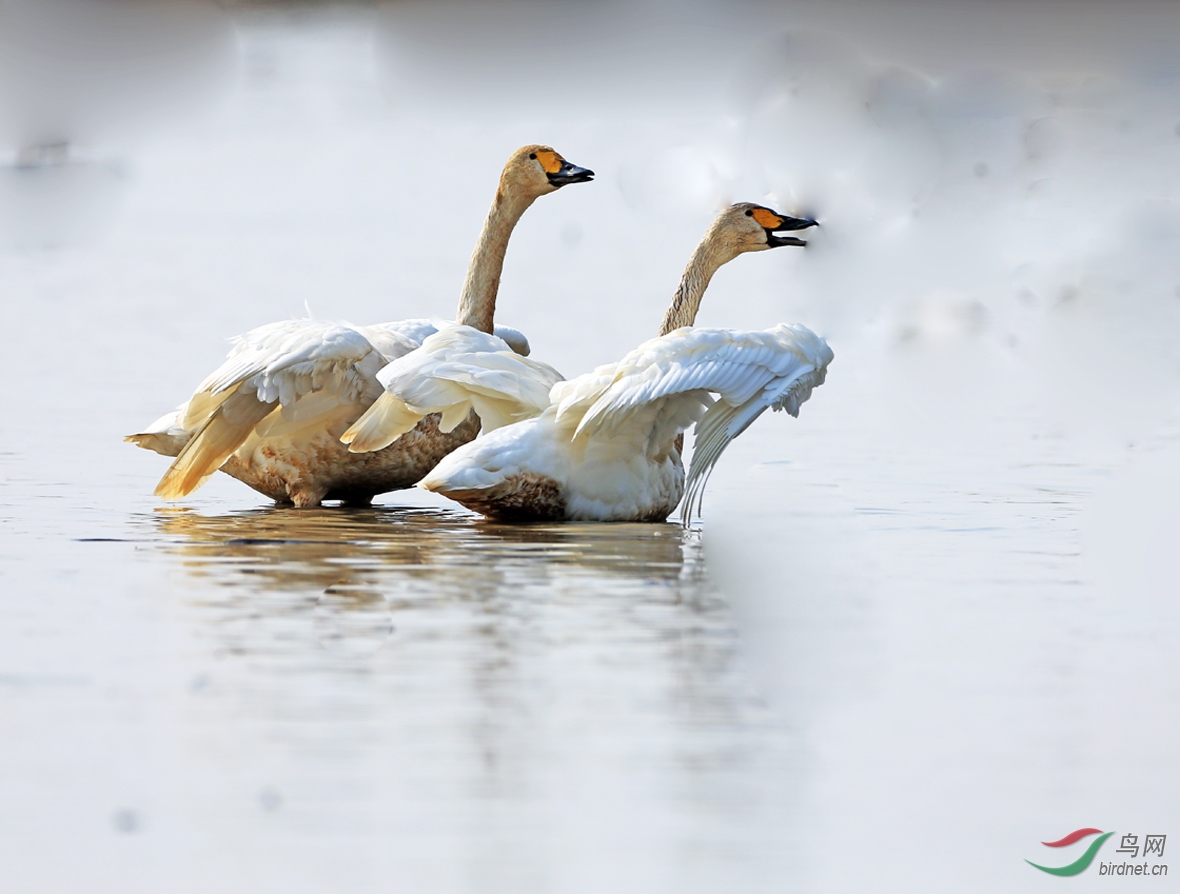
[606, 447]
[265, 362]
[456, 371]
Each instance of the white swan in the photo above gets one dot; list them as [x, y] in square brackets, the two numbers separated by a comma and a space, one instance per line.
[272, 414]
[461, 369]
[606, 446]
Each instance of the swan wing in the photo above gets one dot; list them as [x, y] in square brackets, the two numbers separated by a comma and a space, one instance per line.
[280, 360]
[677, 372]
[800, 366]
[457, 370]
[721, 379]
[303, 369]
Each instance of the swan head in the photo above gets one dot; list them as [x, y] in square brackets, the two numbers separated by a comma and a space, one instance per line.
[539, 170]
[748, 227]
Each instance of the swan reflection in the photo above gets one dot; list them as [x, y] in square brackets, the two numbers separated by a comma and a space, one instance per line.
[433, 665]
[275, 580]
[449, 553]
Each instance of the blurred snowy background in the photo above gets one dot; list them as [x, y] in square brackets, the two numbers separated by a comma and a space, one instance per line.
[953, 575]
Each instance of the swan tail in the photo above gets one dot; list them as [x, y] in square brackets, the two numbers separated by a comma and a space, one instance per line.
[166, 436]
[214, 442]
[162, 443]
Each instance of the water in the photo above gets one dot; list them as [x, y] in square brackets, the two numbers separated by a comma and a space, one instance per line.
[924, 628]
[403, 694]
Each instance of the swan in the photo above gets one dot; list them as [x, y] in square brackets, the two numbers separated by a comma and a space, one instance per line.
[461, 369]
[272, 414]
[606, 446]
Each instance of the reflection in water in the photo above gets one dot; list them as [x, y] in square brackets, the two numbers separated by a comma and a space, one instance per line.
[323, 546]
[505, 696]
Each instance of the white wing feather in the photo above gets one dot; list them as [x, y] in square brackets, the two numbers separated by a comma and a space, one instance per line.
[272, 360]
[666, 384]
[457, 370]
[801, 367]
[273, 366]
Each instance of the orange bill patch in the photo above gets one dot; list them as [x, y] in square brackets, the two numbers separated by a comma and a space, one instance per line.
[767, 219]
[550, 161]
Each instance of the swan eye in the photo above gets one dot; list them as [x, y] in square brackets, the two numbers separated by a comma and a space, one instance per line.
[533, 155]
[749, 213]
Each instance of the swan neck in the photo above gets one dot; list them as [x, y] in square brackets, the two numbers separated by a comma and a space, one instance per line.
[687, 300]
[477, 303]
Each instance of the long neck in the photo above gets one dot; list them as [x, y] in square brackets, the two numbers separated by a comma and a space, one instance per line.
[704, 262]
[477, 303]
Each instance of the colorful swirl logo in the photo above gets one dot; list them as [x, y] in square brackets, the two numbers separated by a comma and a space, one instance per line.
[1080, 864]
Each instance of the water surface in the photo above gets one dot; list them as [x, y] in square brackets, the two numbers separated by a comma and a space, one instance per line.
[923, 628]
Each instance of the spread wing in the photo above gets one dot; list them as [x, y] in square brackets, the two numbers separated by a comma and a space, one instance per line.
[667, 384]
[799, 367]
[457, 370]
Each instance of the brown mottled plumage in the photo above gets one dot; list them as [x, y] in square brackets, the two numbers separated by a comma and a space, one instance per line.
[526, 497]
[319, 467]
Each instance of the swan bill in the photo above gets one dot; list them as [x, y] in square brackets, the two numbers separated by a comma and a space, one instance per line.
[773, 223]
[569, 173]
[775, 241]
